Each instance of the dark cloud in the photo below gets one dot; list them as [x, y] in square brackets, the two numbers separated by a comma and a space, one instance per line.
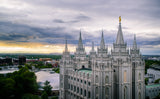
[82, 17]
[17, 32]
[58, 21]
[64, 18]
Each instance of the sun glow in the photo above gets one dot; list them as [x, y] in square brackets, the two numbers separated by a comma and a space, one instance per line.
[30, 47]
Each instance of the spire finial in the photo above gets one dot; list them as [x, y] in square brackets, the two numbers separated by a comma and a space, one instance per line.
[119, 19]
[66, 47]
[119, 39]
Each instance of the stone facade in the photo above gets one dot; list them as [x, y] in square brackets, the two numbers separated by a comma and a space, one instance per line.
[118, 75]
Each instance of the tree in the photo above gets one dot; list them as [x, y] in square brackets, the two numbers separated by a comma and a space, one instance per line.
[47, 87]
[17, 84]
[44, 95]
[157, 81]
[30, 96]
[6, 88]
[146, 81]
[157, 97]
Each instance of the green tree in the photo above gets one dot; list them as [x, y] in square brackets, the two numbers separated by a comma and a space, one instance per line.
[146, 81]
[6, 88]
[30, 96]
[157, 81]
[47, 87]
[18, 83]
[157, 97]
[44, 95]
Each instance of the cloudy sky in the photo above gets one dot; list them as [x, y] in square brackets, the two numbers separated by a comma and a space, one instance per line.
[41, 26]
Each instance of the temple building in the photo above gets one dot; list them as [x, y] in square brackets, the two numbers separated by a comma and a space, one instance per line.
[103, 75]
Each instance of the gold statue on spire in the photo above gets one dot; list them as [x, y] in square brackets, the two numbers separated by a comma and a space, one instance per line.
[119, 19]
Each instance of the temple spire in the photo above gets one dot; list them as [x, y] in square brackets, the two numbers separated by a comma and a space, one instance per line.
[92, 46]
[134, 42]
[102, 45]
[80, 45]
[119, 39]
[66, 47]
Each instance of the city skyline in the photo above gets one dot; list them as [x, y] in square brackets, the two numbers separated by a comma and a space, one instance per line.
[28, 26]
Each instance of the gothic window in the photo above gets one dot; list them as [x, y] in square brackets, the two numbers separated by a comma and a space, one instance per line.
[77, 89]
[107, 80]
[125, 92]
[89, 94]
[107, 92]
[81, 91]
[96, 80]
[84, 92]
[89, 83]
[139, 96]
[139, 86]
[96, 90]
[125, 76]
[139, 78]
[74, 88]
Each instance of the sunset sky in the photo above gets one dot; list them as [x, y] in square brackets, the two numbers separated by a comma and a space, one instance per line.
[41, 26]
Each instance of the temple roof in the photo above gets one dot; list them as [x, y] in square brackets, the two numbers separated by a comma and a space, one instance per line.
[85, 70]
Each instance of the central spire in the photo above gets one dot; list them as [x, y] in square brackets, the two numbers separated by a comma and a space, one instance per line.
[80, 45]
[66, 47]
[102, 45]
[119, 39]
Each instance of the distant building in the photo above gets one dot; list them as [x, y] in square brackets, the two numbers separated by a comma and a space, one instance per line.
[101, 75]
[45, 59]
[152, 91]
[32, 60]
[6, 61]
[22, 60]
[153, 73]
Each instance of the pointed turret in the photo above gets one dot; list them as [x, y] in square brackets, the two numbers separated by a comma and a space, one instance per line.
[102, 44]
[134, 43]
[80, 44]
[119, 39]
[92, 46]
[66, 47]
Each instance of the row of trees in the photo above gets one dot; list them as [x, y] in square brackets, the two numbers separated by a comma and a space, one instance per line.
[22, 85]
[148, 64]
[15, 85]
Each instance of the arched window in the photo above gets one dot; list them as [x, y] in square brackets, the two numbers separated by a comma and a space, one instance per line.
[139, 86]
[96, 80]
[139, 78]
[84, 92]
[125, 76]
[139, 96]
[107, 92]
[107, 80]
[125, 92]
[96, 90]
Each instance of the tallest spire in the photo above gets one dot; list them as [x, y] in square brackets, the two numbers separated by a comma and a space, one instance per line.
[66, 47]
[119, 39]
[102, 45]
[80, 45]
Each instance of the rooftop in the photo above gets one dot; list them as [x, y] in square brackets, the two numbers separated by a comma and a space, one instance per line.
[85, 70]
[153, 86]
